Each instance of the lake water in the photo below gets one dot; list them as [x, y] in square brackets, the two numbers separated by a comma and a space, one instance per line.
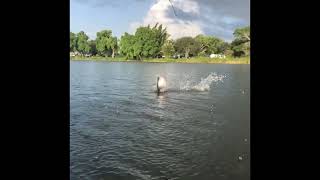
[121, 129]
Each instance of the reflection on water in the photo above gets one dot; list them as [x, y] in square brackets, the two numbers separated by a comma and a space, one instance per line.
[161, 99]
[121, 128]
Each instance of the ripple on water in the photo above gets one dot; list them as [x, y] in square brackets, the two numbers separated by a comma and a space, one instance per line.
[121, 129]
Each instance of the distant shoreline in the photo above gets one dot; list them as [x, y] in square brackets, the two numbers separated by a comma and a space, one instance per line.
[195, 60]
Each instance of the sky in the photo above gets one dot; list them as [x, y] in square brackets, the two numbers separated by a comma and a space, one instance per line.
[210, 17]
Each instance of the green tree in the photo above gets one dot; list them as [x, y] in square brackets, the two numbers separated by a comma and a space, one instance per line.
[146, 42]
[73, 42]
[242, 34]
[224, 48]
[168, 48]
[240, 49]
[241, 44]
[93, 48]
[82, 43]
[209, 44]
[113, 45]
[161, 37]
[187, 46]
[106, 42]
[126, 45]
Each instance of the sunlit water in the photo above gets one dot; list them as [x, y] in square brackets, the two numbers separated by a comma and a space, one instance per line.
[121, 129]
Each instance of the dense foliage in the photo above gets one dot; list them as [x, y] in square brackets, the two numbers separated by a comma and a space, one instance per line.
[187, 46]
[73, 42]
[105, 43]
[154, 42]
[168, 48]
[126, 46]
[146, 42]
[241, 44]
[82, 43]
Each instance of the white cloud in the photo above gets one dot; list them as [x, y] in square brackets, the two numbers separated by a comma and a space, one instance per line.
[212, 17]
[133, 26]
[176, 27]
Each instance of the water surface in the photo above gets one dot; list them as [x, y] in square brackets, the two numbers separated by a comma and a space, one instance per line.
[121, 129]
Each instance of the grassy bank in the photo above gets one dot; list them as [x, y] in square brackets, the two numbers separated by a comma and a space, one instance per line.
[228, 60]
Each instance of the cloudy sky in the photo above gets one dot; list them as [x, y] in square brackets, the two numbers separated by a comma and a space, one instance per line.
[210, 17]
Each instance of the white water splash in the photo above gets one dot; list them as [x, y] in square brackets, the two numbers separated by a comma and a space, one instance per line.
[204, 84]
[188, 83]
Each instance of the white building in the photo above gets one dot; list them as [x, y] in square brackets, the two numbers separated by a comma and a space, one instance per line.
[221, 56]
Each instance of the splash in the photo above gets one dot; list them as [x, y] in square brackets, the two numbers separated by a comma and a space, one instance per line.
[187, 82]
[203, 85]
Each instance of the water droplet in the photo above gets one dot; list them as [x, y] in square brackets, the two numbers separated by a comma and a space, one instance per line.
[240, 158]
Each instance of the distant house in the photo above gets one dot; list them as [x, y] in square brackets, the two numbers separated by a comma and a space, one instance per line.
[213, 55]
[76, 53]
[221, 56]
[177, 56]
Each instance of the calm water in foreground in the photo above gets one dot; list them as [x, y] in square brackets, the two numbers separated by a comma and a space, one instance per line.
[121, 129]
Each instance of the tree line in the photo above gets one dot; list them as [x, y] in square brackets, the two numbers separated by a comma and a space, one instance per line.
[153, 42]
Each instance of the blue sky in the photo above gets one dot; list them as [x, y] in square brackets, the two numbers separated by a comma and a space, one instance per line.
[91, 19]
[210, 17]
